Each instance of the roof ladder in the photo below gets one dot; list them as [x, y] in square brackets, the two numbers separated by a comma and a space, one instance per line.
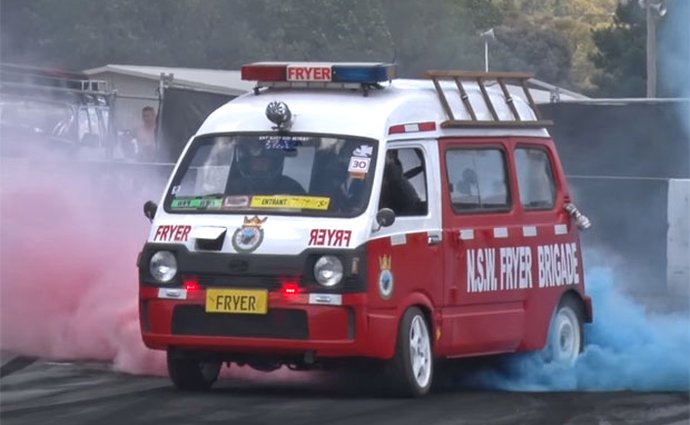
[481, 79]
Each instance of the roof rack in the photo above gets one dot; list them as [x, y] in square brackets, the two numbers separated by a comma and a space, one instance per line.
[30, 77]
[481, 79]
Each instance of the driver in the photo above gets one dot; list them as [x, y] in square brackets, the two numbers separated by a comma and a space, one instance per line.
[261, 172]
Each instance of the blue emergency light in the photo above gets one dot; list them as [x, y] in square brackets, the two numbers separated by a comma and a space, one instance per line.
[315, 72]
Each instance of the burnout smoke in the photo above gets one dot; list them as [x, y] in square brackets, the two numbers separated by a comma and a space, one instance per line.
[627, 348]
[70, 235]
[69, 244]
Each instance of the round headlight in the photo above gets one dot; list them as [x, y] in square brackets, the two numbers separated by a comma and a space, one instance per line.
[163, 266]
[328, 270]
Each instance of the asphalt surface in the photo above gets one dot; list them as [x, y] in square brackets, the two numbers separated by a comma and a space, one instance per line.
[40, 392]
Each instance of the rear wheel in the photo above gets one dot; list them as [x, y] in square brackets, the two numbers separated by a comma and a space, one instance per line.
[411, 368]
[191, 374]
[566, 333]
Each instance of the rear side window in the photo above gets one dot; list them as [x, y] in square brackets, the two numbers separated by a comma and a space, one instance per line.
[535, 179]
[477, 180]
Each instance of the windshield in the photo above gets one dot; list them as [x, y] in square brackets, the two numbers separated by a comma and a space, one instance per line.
[289, 174]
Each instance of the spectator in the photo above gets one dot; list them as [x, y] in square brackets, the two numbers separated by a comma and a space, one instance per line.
[146, 134]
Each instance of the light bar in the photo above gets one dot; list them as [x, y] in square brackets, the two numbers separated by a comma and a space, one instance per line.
[362, 73]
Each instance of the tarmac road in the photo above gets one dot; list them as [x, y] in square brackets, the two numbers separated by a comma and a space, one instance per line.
[42, 392]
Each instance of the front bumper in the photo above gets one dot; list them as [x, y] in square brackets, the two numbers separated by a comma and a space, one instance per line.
[292, 326]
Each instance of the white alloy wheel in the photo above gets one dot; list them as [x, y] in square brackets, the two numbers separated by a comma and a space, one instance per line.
[420, 351]
[411, 370]
[565, 335]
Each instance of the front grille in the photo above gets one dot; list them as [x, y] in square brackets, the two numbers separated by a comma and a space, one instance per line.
[278, 323]
[271, 283]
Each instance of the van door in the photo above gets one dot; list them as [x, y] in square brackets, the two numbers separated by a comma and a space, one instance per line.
[406, 258]
[487, 267]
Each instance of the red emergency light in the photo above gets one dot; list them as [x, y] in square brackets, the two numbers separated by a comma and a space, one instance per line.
[311, 72]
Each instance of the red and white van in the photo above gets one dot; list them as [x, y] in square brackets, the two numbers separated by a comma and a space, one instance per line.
[338, 213]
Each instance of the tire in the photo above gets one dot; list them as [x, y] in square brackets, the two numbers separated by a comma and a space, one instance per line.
[411, 370]
[190, 374]
[566, 333]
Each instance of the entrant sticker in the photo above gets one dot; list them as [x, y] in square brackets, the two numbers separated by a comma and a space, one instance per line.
[291, 202]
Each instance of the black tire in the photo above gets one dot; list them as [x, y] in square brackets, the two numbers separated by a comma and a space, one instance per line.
[190, 374]
[566, 338]
[402, 377]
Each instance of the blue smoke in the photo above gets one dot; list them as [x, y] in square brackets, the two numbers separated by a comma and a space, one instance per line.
[626, 348]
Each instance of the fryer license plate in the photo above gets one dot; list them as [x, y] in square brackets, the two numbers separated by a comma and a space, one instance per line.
[236, 301]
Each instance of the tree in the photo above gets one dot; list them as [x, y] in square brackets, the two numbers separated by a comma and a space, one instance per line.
[621, 54]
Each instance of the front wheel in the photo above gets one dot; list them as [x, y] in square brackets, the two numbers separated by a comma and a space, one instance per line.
[191, 374]
[411, 368]
[566, 333]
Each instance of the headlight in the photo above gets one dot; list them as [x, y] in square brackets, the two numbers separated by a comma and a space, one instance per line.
[163, 266]
[328, 270]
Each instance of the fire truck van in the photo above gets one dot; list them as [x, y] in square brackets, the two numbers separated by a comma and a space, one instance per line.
[337, 214]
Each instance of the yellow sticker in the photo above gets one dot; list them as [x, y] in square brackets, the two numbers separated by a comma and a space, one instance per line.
[291, 202]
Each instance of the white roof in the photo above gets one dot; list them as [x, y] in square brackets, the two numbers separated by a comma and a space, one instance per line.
[349, 112]
[217, 80]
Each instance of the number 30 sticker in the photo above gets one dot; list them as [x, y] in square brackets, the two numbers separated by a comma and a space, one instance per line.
[359, 165]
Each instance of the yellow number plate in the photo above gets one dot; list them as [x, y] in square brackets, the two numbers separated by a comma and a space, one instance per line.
[236, 301]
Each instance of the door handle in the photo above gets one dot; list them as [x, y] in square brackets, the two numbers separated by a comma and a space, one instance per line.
[434, 239]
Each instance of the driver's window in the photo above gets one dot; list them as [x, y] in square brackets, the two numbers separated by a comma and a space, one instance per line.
[404, 182]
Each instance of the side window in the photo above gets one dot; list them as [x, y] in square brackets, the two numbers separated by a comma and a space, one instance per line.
[404, 182]
[535, 179]
[477, 180]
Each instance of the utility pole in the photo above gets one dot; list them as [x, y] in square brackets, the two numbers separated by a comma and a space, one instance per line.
[655, 10]
[651, 52]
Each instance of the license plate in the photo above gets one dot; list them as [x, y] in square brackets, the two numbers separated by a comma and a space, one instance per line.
[236, 301]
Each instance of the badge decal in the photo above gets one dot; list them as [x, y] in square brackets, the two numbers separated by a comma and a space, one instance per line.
[386, 281]
[248, 237]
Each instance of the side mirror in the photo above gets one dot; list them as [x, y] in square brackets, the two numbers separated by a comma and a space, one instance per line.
[150, 209]
[385, 217]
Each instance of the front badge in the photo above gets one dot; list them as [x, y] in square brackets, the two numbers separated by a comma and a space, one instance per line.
[385, 277]
[248, 237]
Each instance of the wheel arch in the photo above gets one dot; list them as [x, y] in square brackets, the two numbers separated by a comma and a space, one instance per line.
[584, 303]
[423, 303]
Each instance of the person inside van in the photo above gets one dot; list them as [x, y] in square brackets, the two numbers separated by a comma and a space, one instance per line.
[397, 193]
[259, 171]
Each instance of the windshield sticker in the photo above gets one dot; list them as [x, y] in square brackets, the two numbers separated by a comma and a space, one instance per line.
[175, 190]
[363, 151]
[291, 202]
[236, 201]
[330, 237]
[359, 165]
[172, 233]
[247, 238]
[283, 143]
[196, 203]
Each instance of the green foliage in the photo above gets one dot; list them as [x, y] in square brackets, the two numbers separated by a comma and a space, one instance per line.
[621, 54]
[551, 38]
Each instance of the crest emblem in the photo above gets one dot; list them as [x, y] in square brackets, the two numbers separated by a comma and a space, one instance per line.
[248, 237]
[386, 281]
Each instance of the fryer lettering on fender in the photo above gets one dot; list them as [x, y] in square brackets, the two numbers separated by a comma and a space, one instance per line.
[172, 233]
[512, 268]
[330, 237]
